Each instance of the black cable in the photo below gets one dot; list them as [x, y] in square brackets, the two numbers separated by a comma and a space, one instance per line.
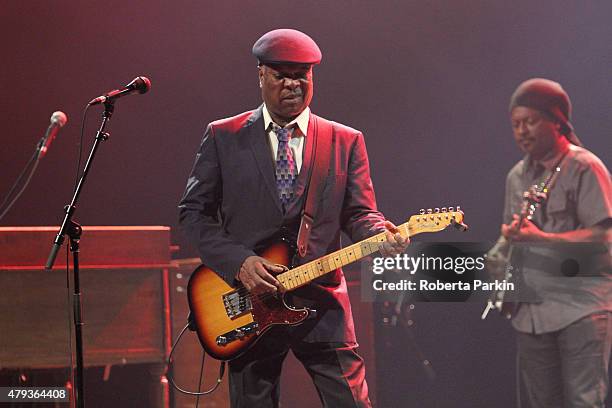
[200, 379]
[171, 376]
[36, 159]
[78, 169]
[34, 156]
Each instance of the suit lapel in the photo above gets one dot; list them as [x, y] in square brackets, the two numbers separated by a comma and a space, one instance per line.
[261, 150]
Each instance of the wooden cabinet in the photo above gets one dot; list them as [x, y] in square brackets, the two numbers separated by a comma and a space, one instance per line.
[125, 291]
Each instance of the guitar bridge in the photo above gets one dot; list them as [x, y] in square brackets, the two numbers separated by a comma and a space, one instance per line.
[236, 303]
[237, 334]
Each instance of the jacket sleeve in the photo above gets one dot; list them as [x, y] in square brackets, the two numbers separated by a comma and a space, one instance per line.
[360, 218]
[199, 213]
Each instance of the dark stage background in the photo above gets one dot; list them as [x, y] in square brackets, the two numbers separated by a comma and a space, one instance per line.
[428, 82]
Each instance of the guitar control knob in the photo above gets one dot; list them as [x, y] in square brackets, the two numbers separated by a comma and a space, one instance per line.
[221, 341]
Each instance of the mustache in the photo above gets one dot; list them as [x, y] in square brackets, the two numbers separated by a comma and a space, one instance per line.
[296, 93]
[524, 137]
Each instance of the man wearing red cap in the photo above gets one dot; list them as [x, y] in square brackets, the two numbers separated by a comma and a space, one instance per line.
[249, 182]
[564, 319]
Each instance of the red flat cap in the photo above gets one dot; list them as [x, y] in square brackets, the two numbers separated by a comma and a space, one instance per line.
[286, 46]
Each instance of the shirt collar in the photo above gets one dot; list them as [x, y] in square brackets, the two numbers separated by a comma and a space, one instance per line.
[532, 164]
[301, 120]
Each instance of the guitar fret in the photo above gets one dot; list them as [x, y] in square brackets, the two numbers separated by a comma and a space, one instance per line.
[326, 266]
[350, 254]
[365, 248]
[336, 260]
[344, 258]
[308, 272]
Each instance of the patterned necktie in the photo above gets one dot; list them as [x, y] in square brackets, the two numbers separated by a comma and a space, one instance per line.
[285, 166]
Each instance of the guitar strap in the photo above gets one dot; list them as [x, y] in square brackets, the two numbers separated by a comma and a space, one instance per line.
[323, 134]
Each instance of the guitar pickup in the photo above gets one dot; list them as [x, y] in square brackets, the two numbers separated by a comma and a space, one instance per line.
[236, 304]
[237, 334]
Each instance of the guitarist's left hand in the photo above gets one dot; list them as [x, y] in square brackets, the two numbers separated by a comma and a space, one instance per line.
[527, 232]
[396, 244]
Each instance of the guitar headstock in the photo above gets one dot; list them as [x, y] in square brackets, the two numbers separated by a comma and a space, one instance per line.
[437, 219]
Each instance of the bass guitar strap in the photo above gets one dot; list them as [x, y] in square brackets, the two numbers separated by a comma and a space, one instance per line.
[323, 135]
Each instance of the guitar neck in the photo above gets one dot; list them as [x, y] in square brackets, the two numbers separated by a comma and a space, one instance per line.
[304, 274]
[423, 222]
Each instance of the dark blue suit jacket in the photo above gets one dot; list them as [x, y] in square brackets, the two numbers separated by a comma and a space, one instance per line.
[231, 206]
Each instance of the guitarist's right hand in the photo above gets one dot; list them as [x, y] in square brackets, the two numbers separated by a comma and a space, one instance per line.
[510, 231]
[255, 275]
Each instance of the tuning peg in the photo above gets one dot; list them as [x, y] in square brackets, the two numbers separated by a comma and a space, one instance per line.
[451, 209]
[422, 211]
[444, 209]
[458, 208]
[429, 211]
[436, 210]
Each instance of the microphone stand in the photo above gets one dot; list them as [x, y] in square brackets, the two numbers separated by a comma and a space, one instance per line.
[74, 230]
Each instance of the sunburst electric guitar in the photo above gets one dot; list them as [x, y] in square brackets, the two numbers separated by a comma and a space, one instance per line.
[229, 320]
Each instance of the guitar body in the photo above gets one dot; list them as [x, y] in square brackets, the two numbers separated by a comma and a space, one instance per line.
[507, 304]
[499, 299]
[230, 320]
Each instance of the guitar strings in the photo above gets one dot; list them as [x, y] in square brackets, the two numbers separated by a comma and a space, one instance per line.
[244, 292]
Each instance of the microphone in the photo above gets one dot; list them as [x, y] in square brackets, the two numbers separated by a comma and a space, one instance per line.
[58, 119]
[139, 85]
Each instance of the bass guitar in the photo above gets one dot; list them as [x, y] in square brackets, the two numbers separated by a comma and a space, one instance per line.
[533, 198]
[229, 320]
